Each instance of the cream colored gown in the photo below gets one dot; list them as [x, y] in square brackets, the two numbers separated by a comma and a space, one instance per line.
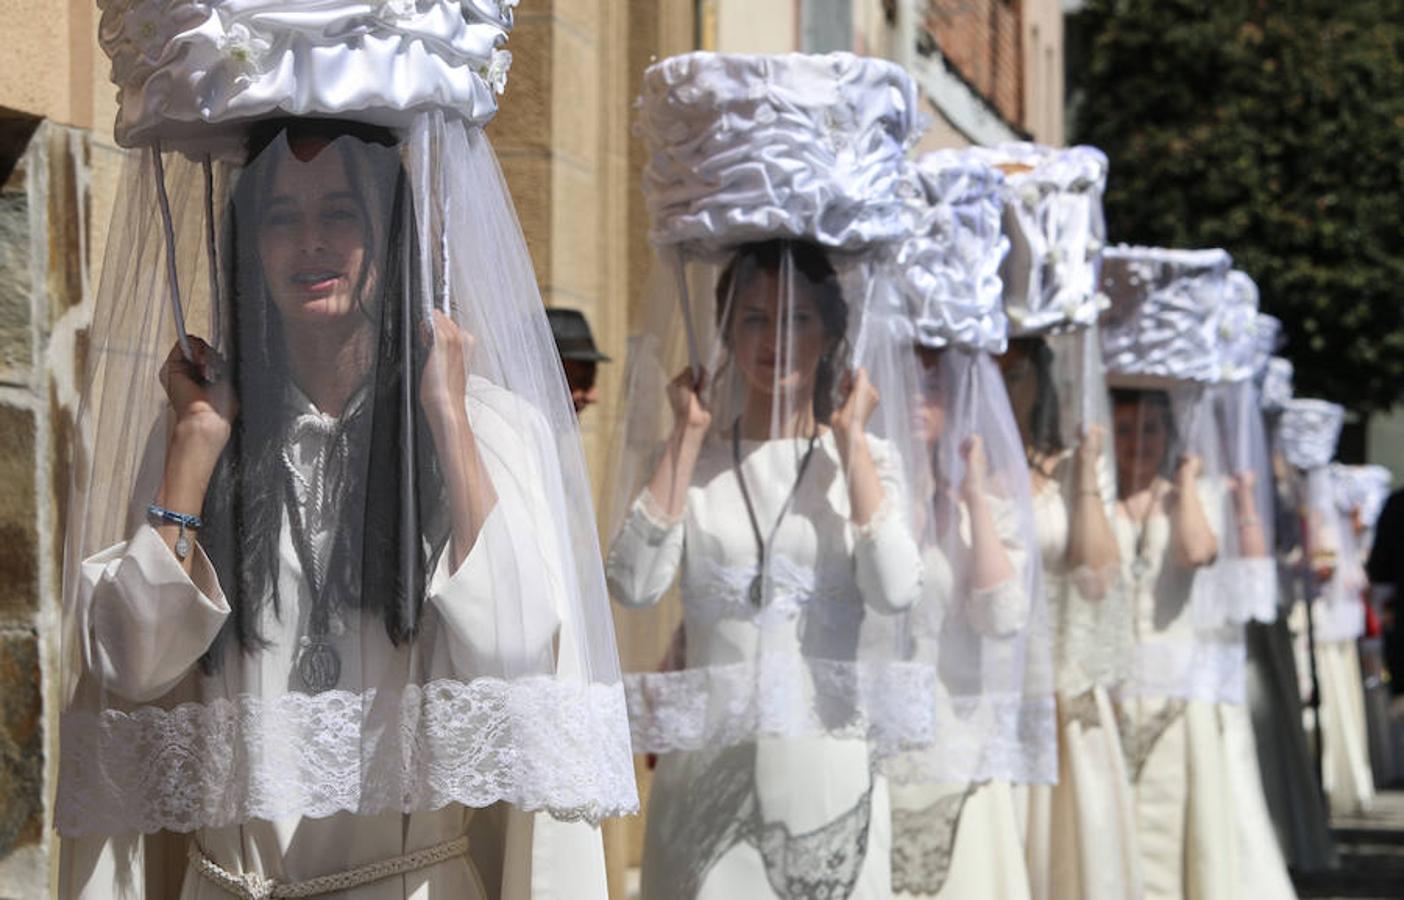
[1080, 833]
[788, 816]
[1348, 777]
[138, 587]
[1186, 825]
[960, 840]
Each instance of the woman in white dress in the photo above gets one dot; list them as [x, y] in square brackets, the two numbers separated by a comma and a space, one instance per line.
[1349, 779]
[1160, 341]
[1078, 832]
[788, 816]
[1273, 683]
[1307, 432]
[1241, 584]
[981, 622]
[1081, 831]
[332, 581]
[768, 479]
[1183, 825]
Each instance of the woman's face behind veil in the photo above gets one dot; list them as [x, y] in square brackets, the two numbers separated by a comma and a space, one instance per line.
[1143, 433]
[316, 230]
[1021, 381]
[775, 340]
[931, 413]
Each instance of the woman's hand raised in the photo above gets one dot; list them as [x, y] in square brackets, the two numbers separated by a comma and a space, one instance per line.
[850, 420]
[685, 398]
[202, 399]
[443, 385]
[977, 469]
[203, 405]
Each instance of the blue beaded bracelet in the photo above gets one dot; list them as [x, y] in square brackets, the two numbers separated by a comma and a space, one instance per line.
[184, 520]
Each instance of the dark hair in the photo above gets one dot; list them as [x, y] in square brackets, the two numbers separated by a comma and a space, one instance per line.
[815, 278]
[392, 526]
[1158, 400]
[1045, 427]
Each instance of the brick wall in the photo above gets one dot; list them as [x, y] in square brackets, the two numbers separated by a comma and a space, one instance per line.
[982, 40]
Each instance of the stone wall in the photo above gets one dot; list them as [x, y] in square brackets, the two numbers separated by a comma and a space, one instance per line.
[44, 310]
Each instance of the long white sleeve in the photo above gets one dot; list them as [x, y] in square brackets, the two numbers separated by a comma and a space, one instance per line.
[502, 607]
[645, 555]
[148, 621]
[887, 562]
[1002, 610]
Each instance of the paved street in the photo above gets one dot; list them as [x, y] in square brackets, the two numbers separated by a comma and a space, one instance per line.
[1372, 854]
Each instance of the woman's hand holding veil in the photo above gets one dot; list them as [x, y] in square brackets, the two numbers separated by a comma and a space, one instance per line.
[849, 422]
[443, 394]
[203, 406]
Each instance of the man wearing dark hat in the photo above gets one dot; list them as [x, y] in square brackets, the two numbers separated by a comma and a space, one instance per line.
[579, 355]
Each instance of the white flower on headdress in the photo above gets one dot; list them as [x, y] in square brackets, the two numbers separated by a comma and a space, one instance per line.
[839, 127]
[394, 10]
[495, 72]
[142, 28]
[244, 49]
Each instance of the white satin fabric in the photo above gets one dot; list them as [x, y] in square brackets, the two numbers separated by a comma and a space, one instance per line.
[746, 148]
[192, 73]
[948, 267]
[1161, 324]
[1277, 384]
[1239, 343]
[1308, 430]
[1362, 490]
[1053, 217]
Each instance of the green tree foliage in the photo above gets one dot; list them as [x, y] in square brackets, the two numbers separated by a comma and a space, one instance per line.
[1276, 131]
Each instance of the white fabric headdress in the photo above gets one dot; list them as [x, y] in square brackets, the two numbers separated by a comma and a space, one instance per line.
[1277, 384]
[1239, 342]
[1160, 327]
[948, 266]
[1363, 488]
[192, 73]
[1308, 431]
[1053, 219]
[745, 148]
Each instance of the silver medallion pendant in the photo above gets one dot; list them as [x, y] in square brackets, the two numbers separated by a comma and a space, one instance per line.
[756, 591]
[182, 546]
[319, 665]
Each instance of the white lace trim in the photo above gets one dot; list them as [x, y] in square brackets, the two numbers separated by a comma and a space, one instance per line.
[1093, 642]
[1235, 591]
[537, 743]
[1212, 671]
[713, 592]
[887, 703]
[1005, 737]
[1339, 618]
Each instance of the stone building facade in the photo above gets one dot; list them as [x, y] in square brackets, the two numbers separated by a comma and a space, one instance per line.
[990, 70]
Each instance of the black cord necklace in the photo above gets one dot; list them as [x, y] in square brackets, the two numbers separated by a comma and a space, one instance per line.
[318, 663]
[756, 591]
